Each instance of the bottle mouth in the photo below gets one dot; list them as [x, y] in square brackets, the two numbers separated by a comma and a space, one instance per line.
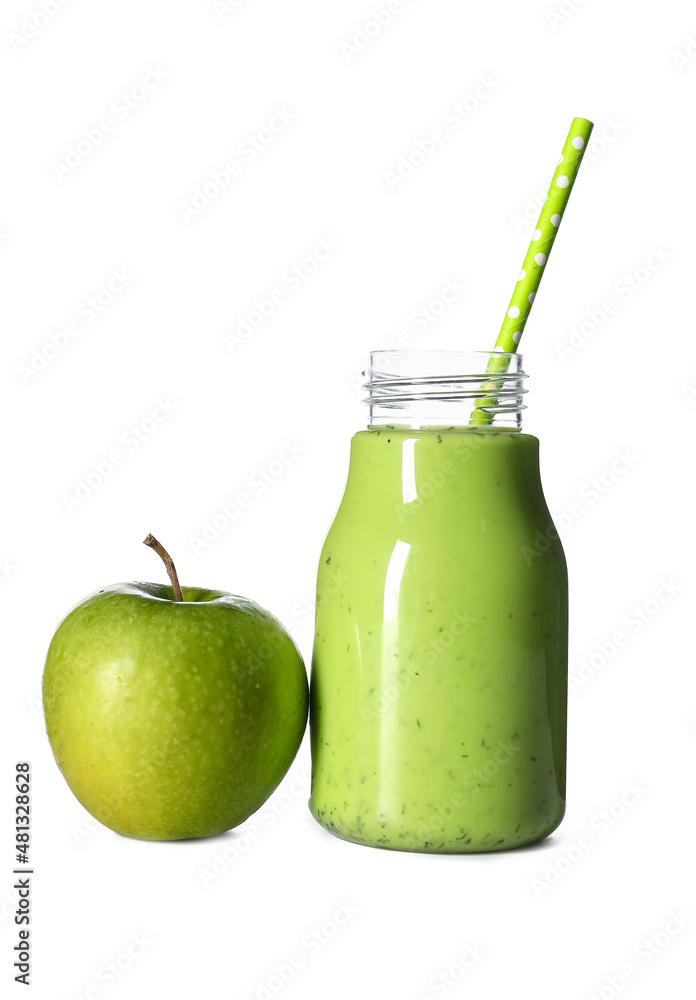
[445, 387]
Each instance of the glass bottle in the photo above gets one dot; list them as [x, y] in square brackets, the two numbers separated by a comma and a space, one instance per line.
[439, 676]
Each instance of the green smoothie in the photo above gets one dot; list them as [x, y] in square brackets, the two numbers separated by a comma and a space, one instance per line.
[439, 680]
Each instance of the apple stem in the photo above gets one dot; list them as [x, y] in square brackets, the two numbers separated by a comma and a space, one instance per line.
[168, 562]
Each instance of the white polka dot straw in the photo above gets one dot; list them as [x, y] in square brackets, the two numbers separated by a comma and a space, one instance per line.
[534, 263]
[542, 239]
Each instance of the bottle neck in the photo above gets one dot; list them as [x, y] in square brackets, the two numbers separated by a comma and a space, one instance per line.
[422, 389]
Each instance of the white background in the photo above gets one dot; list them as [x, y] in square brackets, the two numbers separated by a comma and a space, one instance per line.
[625, 388]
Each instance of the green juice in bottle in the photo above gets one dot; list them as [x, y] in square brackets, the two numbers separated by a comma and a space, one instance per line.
[439, 678]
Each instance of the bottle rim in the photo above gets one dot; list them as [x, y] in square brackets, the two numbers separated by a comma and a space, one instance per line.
[415, 380]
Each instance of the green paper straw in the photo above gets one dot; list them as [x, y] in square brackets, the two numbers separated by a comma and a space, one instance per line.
[537, 257]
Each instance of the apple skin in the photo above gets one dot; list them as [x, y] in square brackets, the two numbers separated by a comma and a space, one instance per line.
[169, 719]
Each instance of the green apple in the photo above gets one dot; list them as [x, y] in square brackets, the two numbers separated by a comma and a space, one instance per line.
[172, 713]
